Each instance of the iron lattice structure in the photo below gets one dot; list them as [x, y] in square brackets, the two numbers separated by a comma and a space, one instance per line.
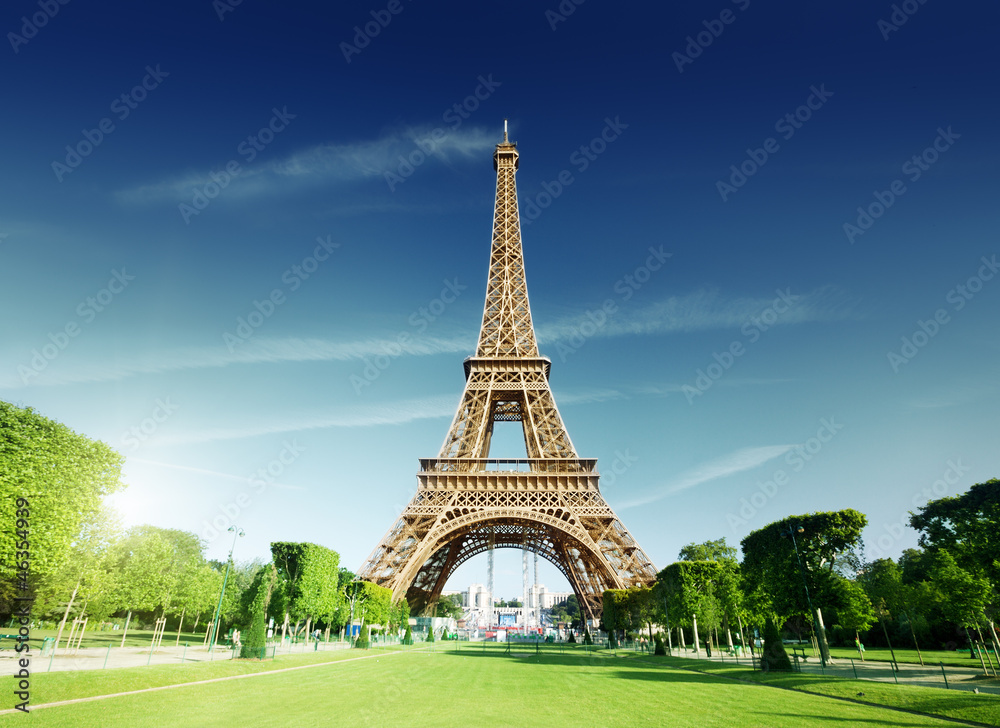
[548, 503]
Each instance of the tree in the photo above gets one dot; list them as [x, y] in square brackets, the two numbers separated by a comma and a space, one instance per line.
[965, 526]
[775, 657]
[855, 613]
[965, 595]
[255, 633]
[62, 475]
[708, 551]
[771, 565]
[311, 581]
[449, 606]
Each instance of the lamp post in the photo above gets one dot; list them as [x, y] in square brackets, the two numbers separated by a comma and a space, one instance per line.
[215, 622]
[790, 533]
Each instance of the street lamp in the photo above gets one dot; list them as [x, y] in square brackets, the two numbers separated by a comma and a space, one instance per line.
[790, 533]
[229, 562]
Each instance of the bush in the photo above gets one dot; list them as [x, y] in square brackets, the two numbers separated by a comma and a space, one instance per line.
[658, 643]
[408, 637]
[572, 638]
[774, 659]
[363, 642]
[587, 639]
[430, 635]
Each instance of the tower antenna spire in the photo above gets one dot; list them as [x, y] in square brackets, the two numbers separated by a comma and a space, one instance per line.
[504, 131]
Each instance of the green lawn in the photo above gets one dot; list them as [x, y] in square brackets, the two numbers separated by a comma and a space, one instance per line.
[422, 688]
[931, 657]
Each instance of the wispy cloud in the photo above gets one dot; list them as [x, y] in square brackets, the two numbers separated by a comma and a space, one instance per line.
[678, 314]
[210, 473]
[737, 462]
[319, 165]
[701, 310]
[394, 413]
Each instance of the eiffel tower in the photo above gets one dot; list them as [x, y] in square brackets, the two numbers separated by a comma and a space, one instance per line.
[550, 503]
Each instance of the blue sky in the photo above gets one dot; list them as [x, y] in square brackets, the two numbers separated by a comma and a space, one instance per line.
[215, 231]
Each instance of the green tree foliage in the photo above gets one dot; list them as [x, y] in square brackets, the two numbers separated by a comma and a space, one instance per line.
[449, 606]
[408, 637]
[769, 560]
[697, 588]
[259, 597]
[855, 612]
[964, 596]
[310, 576]
[63, 476]
[88, 569]
[372, 603]
[708, 551]
[363, 641]
[430, 634]
[966, 526]
[659, 648]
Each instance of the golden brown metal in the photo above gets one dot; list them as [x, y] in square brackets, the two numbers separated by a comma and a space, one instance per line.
[550, 502]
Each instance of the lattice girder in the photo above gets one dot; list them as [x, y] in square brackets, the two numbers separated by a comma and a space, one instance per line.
[548, 503]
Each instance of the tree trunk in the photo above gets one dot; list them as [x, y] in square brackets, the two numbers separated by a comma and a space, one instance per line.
[179, 625]
[196, 616]
[284, 628]
[993, 639]
[62, 624]
[125, 631]
[697, 646]
[824, 646]
[895, 665]
[909, 619]
[680, 631]
[743, 639]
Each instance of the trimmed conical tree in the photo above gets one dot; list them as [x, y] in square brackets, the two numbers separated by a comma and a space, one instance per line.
[572, 638]
[408, 637]
[363, 642]
[659, 649]
[430, 635]
[587, 639]
[775, 658]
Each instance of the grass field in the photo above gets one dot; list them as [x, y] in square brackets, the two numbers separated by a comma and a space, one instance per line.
[931, 657]
[417, 687]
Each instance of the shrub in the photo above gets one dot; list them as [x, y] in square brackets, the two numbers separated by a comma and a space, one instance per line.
[572, 638]
[774, 659]
[659, 649]
[587, 639]
[430, 635]
[408, 637]
[363, 642]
